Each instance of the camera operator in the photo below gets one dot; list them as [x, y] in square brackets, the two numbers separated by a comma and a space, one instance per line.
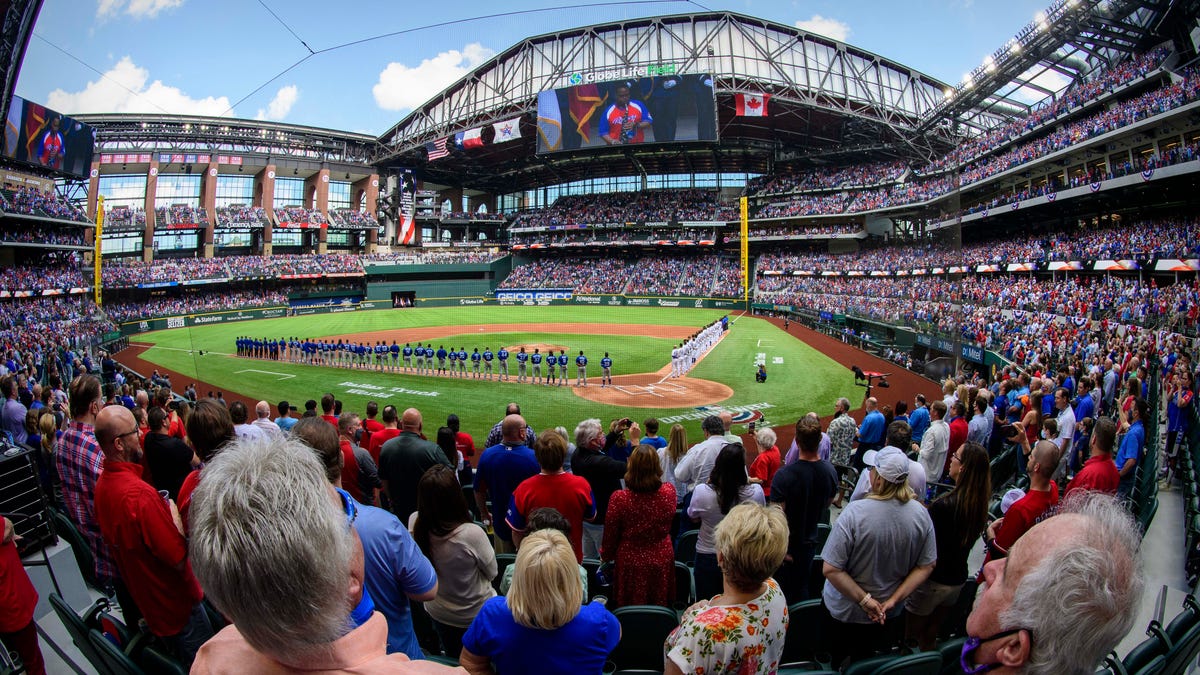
[615, 443]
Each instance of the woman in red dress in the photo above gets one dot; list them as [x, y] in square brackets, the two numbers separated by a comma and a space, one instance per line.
[637, 534]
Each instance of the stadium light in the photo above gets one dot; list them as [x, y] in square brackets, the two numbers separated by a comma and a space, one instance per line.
[989, 64]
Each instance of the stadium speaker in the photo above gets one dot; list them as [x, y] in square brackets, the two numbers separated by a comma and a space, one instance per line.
[21, 498]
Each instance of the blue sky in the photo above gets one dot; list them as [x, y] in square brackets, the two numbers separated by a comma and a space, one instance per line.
[210, 56]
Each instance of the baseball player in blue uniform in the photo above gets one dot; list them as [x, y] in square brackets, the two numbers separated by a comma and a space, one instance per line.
[476, 361]
[502, 357]
[420, 354]
[522, 357]
[581, 370]
[605, 371]
[487, 361]
[562, 367]
[395, 350]
[551, 367]
[462, 361]
[442, 354]
[536, 360]
[407, 353]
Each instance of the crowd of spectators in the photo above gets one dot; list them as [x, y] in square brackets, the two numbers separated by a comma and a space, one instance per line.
[33, 202]
[292, 264]
[239, 214]
[54, 275]
[125, 273]
[353, 219]
[38, 233]
[125, 218]
[825, 204]
[37, 326]
[433, 256]
[298, 214]
[611, 235]
[180, 215]
[195, 303]
[800, 231]
[875, 173]
[1078, 95]
[653, 206]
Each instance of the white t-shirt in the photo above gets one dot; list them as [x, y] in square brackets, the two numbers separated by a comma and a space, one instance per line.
[706, 506]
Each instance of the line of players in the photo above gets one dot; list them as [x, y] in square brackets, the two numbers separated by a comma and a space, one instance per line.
[425, 360]
[690, 350]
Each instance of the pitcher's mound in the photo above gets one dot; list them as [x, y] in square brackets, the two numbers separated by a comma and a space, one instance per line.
[649, 390]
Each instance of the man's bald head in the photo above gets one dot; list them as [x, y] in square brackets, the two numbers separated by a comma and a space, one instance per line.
[726, 419]
[411, 420]
[263, 410]
[512, 429]
[512, 409]
[1045, 456]
[871, 403]
[116, 422]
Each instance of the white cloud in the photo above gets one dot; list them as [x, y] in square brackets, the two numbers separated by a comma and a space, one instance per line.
[281, 105]
[403, 88]
[138, 9]
[1049, 79]
[831, 28]
[112, 93]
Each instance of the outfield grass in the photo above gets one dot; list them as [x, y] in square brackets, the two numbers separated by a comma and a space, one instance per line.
[805, 380]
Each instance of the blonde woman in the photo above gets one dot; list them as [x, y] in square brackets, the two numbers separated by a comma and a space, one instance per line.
[540, 626]
[670, 456]
[742, 630]
[881, 549]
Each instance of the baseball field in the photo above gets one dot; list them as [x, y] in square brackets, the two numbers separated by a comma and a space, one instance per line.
[639, 340]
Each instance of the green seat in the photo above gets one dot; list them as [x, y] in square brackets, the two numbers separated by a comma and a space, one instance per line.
[923, 663]
[156, 662]
[1144, 653]
[685, 585]
[66, 529]
[823, 530]
[804, 634]
[868, 666]
[951, 651]
[1183, 652]
[685, 547]
[116, 661]
[816, 576]
[78, 627]
[503, 560]
[644, 629]
[1156, 665]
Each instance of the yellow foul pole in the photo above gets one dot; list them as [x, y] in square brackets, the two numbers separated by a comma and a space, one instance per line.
[96, 256]
[745, 251]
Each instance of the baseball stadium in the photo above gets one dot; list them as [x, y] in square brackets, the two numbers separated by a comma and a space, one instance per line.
[708, 248]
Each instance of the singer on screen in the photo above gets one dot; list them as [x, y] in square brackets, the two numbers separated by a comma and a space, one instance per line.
[625, 121]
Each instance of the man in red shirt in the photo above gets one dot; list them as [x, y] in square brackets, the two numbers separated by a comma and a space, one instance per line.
[390, 430]
[958, 431]
[327, 402]
[145, 534]
[566, 493]
[162, 399]
[348, 427]
[19, 599]
[1099, 473]
[1028, 510]
[370, 424]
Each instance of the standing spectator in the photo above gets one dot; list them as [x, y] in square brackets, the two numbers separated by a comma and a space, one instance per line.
[1099, 473]
[465, 446]
[670, 456]
[460, 552]
[697, 464]
[959, 517]
[542, 624]
[918, 419]
[842, 431]
[554, 488]
[1066, 429]
[497, 432]
[501, 469]
[353, 481]
[14, 412]
[390, 430]
[262, 418]
[959, 431]
[285, 421]
[169, 459]
[1179, 414]
[742, 630]
[209, 430]
[1023, 513]
[727, 486]
[766, 462]
[268, 502]
[881, 549]
[396, 573]
[870, 432]
[603, 474]
[804, 489]
[1133, 444]
[652, 438]
[936, 443]
[402, 462]
[240, 415]
[979, 429]
[637, 534]
[145, 534]
[18, 631]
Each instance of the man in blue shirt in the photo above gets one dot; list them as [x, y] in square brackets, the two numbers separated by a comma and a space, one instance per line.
[1132, 444]
[462, 361]
[536, 360]
[918, 419]
[487, 362]
[522, 357]
[870, 432]
[563, 360]
[407, 353]
[285, 421]
[441, 357]
[605, 371]
[501, 469]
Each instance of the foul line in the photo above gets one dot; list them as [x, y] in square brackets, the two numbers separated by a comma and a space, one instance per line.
[189, 351]
[282, 376]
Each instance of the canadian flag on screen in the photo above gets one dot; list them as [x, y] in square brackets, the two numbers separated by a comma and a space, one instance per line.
[752, 105]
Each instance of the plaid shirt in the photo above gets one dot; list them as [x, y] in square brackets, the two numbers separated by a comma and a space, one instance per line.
[79, 463]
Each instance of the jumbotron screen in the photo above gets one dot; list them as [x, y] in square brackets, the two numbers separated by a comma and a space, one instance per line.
[632, 111]
[37, 135]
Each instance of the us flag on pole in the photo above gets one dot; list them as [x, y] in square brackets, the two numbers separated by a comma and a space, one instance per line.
[437, 149]
[752, 105]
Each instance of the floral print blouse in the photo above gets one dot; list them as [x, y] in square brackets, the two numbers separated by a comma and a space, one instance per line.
[732, 639]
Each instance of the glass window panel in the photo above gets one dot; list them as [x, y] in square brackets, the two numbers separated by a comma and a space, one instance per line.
[289, 191]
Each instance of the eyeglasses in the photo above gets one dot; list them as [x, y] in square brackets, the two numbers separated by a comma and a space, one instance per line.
[957, 457]
[127, 433]
[348, 505]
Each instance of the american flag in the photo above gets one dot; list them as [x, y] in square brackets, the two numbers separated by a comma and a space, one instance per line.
[437, 149]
